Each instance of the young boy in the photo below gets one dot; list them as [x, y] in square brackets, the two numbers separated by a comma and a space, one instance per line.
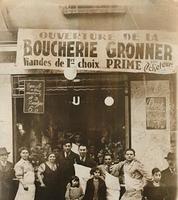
[96, 187]
[154, 190]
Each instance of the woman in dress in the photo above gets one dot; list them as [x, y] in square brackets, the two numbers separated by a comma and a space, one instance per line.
[48, 175]
[24, 172]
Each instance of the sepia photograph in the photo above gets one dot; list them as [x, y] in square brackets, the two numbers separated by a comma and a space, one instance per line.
[88, 99]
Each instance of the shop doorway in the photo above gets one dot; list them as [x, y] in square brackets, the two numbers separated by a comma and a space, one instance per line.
[77, 109]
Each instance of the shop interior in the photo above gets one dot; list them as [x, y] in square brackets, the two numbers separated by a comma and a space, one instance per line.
[89, 109]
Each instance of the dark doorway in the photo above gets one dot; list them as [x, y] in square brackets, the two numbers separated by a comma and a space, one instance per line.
[75, 107]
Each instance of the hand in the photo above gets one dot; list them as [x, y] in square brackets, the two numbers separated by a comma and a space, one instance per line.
[68, 186]
[42, 185]
[25, 188]
[111, 167]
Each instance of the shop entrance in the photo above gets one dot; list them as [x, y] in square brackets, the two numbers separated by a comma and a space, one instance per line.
[92, 109]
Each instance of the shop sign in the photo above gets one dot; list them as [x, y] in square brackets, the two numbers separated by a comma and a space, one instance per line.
[34, 96]
[120, 51]
[156, 112]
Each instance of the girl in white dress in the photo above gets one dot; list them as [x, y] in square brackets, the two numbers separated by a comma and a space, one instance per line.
[24, 172]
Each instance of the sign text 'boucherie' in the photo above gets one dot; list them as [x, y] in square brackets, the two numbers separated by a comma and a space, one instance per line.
[124, 51]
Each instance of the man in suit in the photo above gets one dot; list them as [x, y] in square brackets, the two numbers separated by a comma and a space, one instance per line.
[84, 158]
[6, 176]
[169, 176]
[67, 158]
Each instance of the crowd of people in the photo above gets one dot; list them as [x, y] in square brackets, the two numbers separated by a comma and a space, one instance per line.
[52, 176]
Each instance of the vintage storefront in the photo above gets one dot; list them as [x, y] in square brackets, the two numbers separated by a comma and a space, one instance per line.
[97, 82]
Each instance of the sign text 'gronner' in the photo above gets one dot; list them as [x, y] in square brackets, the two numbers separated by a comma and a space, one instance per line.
[125, 51]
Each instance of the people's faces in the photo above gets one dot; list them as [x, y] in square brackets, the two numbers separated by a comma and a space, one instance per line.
[24, 154]
[100, 156]
[107, 160]
[82, 151]
[103, 140]
[171, 163]
[77, 138]
[75, 183]
[56, 151]
[97, 174]
[4, 157]
[92, 149]
[52, 158]
[157, 177]
[129, 155]
[67, 147]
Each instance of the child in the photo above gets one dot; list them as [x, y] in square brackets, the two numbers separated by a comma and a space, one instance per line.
[96, 187]
[154, 190]
[74, 191]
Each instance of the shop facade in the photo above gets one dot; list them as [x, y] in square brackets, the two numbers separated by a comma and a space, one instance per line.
[124, 89]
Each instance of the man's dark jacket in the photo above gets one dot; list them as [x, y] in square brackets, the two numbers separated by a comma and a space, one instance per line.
[6, 181]
[169, 179]
[89, 162]
[67, 165]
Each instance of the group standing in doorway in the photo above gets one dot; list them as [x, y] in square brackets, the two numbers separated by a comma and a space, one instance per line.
[55, 177]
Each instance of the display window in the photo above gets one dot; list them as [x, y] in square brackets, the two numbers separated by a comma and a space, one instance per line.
[92, 109]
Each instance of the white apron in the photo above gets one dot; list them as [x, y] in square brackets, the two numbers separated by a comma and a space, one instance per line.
[28, 180]
[27, 194]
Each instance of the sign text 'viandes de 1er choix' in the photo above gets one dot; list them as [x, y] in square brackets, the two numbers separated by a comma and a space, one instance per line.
[122, 51]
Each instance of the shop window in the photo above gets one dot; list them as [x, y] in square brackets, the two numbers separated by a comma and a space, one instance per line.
[78, 112]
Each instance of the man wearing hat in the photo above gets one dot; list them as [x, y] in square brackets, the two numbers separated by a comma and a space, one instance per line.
[6, 175]
[169, 176]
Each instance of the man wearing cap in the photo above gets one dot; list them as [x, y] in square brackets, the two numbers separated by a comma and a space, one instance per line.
[169, 176]
[6, 176]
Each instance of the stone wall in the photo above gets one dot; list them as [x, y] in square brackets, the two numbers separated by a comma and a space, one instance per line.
[6, 136]
[151, 145]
